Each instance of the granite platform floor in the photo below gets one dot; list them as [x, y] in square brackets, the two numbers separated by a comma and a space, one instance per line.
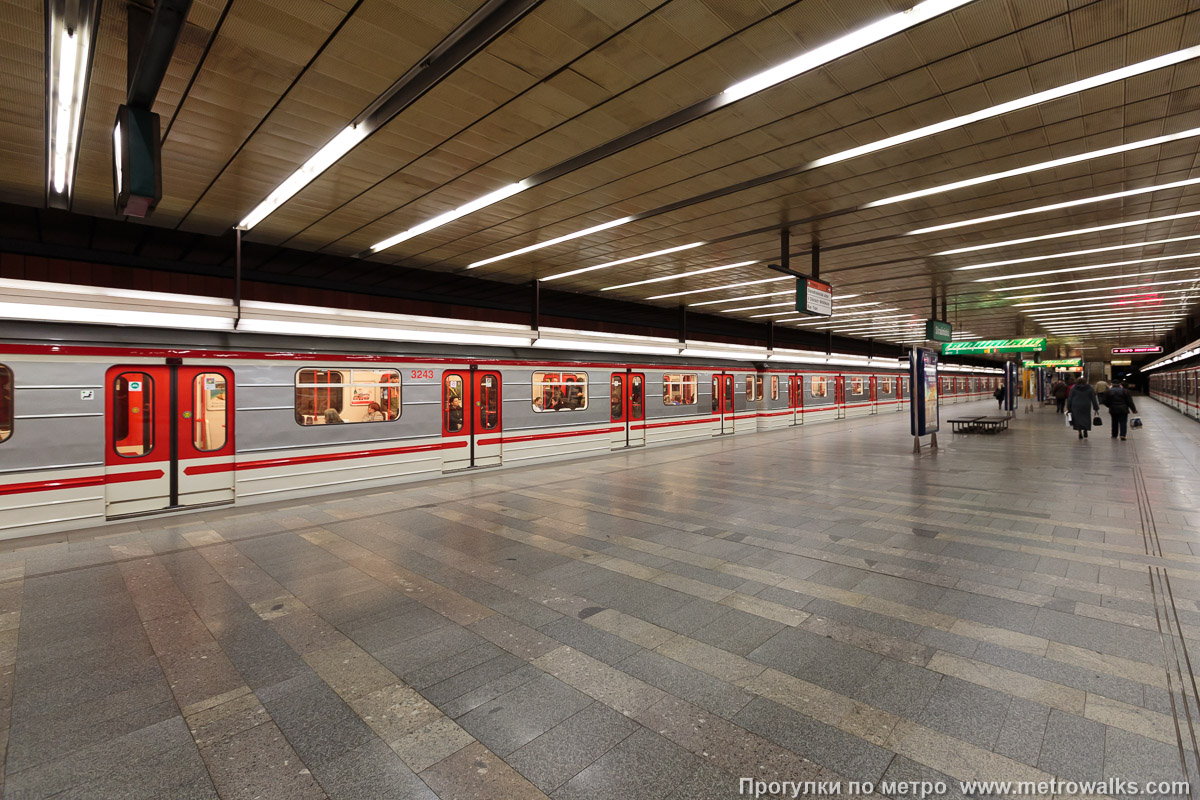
[817, 603]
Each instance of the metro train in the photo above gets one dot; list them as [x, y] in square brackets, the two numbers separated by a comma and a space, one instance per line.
[95, 428]
[1178, 388]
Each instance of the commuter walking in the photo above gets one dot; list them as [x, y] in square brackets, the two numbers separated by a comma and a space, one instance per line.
[1120, 402]
[1059, 391]
[999, 395]
[1081, 402]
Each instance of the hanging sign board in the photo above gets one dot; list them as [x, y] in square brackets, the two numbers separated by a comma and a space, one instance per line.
[938, 331]
[1132, 351]
[1032, 345]
[814, 297]
[1055, 362]
[923, 378]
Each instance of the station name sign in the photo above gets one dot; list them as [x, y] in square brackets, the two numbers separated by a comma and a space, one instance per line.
[1132, 351]
[1055, 362]
[1032, 345]
[814, 297]
[938, 331]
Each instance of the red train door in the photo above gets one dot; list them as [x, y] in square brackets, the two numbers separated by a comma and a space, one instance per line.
[722, 403]
[840, 396]
[796, 398]
[168, 438]
[627, 409]
[472, 419]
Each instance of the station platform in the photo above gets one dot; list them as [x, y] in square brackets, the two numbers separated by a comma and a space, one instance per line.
[812, 604]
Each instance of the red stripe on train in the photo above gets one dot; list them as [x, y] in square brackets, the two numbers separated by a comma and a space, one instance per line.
[534, 437]
[205, 469]
[79, 483]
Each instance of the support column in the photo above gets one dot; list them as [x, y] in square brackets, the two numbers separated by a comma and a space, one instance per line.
[816, 259]
[237, 280]
[785, 245]
[771, 335]
[683, 324]
[535, 304]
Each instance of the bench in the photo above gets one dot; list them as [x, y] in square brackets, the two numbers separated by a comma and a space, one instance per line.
[978, 424]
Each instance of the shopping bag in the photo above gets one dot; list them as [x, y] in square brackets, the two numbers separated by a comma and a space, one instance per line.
[1068, 419]
[1136, 422]
[1097, 421]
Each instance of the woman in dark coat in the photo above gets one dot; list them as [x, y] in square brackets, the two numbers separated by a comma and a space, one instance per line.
[1081, 402]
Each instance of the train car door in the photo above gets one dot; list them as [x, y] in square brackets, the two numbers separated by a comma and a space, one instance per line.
[840, 395]
[722, 403]
[169, 438]
[796, 398]
[472, 419]
[874, 394]
[627, 409]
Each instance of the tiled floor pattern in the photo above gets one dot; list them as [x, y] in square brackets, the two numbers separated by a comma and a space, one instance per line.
[813, 603]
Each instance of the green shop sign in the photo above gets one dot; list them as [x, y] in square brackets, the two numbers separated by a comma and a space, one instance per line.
[1060, 362]
[1035, 345]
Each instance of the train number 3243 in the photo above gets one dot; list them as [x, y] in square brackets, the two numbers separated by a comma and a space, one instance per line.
[421, 373]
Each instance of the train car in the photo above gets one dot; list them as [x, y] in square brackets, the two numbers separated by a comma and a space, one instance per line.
[96, 427]
[1179, 389]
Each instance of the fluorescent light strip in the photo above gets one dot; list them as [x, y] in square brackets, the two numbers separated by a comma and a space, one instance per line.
[826, 323]
[840, 317]
[997, 279]
[1076, 232]
[1058, 162]
[844, 45]
[722, 288]
[1132, 317]
[1150, 305]
[324, 158]
[1100, 278]
[1054, 206]
[741, 299]
[1164, 306]
[450, 216]
[558, 240]
[1105, 288]
[1017, 104]
[1102, 297]
[680, 275]
[629, 260]
[791, 303]
[774, 313]
[65, 108]
[1052, 256]
[1111, 327]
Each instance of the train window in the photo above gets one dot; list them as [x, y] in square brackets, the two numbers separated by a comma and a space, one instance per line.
[885, 385]
[749, 387]
[330, 396]
[856, 386]
[616, 398]
[209, 415]
[679, 390]
[818, 386]
[452, 396]
[559, 391]
[6, 403]
[133, 414]
[758, 387]
[489, 402]
[774, 387]
[716, 395]
[637, 397]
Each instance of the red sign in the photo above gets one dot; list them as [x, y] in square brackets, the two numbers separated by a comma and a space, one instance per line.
[1129, 351]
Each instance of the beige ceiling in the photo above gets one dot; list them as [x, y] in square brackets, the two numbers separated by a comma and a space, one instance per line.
[257, 86]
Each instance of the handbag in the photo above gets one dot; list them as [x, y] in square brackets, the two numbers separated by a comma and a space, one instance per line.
[1068, 419]
[1136, 422]
[1097, 421]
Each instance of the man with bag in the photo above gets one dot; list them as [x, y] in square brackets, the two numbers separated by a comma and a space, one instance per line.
[1120, 402]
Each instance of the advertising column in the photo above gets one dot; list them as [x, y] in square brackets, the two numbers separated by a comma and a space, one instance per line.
[923, 408]
[1011, 386]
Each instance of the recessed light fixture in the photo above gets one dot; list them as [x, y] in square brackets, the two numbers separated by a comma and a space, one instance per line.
[1087, 252]
[1094, 289]
[997, 279]
[1148, 297]
[855, 40]
[676, 277]
[450, 216]
[722, 288]
[1062, 234]
[322, 160]
[1058, 162]
[70, 29]
[1055, 206]
[1101, 278]
[558, 240]
[629, 260]
[743, 298]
